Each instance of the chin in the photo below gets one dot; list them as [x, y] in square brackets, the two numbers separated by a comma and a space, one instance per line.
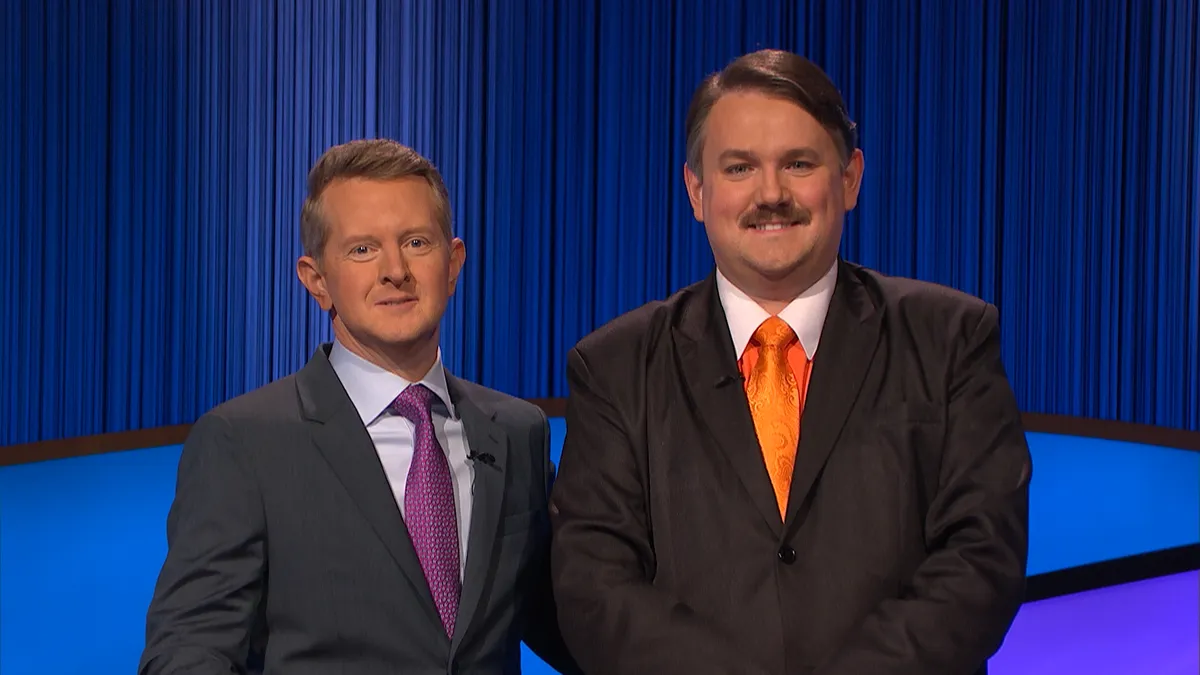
[777, 268]
[406, 338]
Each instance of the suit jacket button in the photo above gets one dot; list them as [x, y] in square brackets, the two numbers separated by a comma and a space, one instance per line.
[787, 555]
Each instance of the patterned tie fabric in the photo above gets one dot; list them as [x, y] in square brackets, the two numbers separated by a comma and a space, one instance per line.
[775, 404]
[429, 505]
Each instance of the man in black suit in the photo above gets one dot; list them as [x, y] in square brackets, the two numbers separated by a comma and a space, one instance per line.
[797, 465]
[370, 514]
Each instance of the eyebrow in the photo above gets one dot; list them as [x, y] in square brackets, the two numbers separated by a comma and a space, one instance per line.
[420, 228]
[747, 156]
[803, 151]
[411, 230]
[358, 239]
[733, 153]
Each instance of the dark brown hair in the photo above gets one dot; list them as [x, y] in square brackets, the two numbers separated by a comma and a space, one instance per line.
[778, 74]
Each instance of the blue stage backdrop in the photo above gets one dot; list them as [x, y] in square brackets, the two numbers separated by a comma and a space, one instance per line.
[1043, 155]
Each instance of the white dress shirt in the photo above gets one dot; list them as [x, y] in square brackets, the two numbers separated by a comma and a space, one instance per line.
[372, 389]
[805, 314]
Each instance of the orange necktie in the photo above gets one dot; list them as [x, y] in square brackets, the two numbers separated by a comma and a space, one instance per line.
[774, 396]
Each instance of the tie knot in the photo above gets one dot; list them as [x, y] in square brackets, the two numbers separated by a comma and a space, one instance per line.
[414, 403]
[774, 332]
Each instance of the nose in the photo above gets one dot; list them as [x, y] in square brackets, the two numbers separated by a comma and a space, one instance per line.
[393, 268]
[770, 189]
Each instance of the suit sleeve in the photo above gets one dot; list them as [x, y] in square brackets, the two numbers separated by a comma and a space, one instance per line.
[613, 618]
[956, 609]
[208, 594]
[542, 633]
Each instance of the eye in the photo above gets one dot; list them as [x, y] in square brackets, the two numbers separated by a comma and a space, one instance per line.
[737, 169]
[417, 243]
[802, 165]
[361, 252]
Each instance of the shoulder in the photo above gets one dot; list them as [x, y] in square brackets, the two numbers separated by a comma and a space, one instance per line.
[273, 401]
[262, 411]
[638, 331]
[923, 303]
[256, 419]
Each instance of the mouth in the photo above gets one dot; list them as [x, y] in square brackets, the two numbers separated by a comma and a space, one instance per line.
[395, 302]
[773, 226]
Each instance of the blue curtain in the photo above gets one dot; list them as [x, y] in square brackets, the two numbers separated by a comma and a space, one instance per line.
[1043, 155]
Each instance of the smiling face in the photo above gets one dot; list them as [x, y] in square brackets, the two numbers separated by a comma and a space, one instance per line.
[773, 194]
[387, 269]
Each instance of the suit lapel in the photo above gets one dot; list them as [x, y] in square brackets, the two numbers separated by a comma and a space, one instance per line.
[343, 441]
[709, 367]
[848, 341]
[484, 437]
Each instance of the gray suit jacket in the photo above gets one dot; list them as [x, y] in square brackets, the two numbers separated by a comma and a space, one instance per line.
[287, 552]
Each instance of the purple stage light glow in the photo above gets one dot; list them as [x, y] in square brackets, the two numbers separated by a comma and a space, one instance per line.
[1147, 627]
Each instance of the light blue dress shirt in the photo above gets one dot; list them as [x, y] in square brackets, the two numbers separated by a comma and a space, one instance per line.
[372, 389]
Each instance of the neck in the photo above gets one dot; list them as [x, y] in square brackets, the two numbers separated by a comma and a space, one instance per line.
[410, 361]
[773, 295]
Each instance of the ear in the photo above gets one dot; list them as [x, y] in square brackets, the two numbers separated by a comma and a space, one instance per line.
[695, 190]
[458, 255]
[309, 272]
[852, 179]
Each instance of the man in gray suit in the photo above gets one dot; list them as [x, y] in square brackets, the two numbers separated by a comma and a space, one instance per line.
[371, 513]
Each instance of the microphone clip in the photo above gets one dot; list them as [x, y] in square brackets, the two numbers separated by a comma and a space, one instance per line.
[485, 458]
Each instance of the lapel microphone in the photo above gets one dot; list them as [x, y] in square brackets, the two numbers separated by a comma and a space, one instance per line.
[482, 457]
[727, 379]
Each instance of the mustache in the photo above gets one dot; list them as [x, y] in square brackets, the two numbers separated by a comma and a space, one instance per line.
[790, 213]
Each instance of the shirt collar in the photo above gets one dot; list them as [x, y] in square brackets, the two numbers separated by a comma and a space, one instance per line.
[372, 388]
[805, 313]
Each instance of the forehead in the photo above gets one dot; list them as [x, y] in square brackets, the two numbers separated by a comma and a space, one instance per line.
[350, 203]
[760, 123]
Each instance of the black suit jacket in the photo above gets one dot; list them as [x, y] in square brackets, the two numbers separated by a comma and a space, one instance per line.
[904, 545]
[287, 548]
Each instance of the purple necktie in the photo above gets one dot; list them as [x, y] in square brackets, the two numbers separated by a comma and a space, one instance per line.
[429, 504]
